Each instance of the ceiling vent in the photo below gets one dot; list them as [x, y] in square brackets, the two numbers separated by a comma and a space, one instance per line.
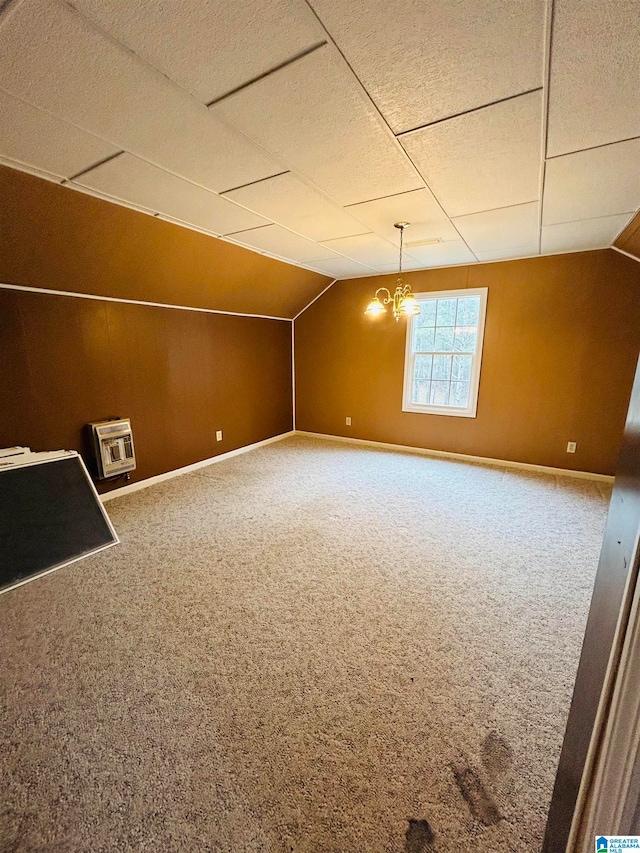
[429, 241]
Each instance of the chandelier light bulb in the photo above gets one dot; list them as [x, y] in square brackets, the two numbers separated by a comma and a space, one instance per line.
[409, 305]
[375, 308]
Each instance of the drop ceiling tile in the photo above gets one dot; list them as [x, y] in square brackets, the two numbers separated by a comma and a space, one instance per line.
[443, 254]
[504, 228]
[407, 264]
[486, 159]
[75, 72]
[509, 254]
[209, 48]
[418, 207]
[594, 96]
[41, 141]
[313, 115]
[368, 249]
[278, 241]
[586, 234]
[75, 187]
[30, 170]
[342, 268]
[292, 203]
[425, 61]
[595, 183]
[208, 154]
[130, 179]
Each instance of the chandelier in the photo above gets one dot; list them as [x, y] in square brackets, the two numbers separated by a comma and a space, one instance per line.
[403, 301]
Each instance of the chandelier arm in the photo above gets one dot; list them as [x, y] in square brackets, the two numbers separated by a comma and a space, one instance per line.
[388, 298]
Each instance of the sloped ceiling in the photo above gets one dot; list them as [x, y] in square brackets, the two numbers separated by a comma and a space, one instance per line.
[303, 130]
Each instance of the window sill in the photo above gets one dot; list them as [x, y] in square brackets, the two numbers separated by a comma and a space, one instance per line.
[440, 410]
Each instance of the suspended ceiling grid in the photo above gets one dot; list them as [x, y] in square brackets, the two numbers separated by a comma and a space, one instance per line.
[304, 130]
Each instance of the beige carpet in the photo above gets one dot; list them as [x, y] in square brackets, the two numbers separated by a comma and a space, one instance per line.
[312, 648]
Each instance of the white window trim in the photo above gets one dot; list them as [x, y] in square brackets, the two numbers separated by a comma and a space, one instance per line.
[474, 385]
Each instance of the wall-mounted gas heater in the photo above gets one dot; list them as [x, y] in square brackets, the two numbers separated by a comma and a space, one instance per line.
[113, 446]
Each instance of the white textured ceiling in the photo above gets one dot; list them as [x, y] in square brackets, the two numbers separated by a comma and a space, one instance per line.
[501, 229]
[419, 207]
[209, 48]
[32, 136]
[428, 60]
[583, 234]
[128, 178]
[486, 158]
[298, 206]
[594, 92]
[304, 130]
[315, 117]
[284, 243]
[366, 249]
[601, 181]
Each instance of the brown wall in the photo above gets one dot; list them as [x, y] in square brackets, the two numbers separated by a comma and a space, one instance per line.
[561, 343]
[179, 375]
[629, 240]
[57, 238]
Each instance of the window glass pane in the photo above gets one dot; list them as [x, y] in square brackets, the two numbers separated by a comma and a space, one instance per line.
[421, 392]
[422, 367]
[441, 367]
[440, 393]
[444, 339]
[427, 315]
[446, 312]
[423, 341]
[461, 367]
[465, 339]
[468, 311]
[444, 353]
[459, 394]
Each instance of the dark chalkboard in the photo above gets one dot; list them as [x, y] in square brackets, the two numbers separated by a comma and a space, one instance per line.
[49, 514]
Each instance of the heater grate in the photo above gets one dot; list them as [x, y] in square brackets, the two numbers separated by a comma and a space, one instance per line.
[113, 447]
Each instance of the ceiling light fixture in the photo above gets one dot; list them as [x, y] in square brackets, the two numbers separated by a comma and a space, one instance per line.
[403, 300]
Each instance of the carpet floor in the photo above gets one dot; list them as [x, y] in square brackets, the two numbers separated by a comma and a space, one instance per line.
[309, 648]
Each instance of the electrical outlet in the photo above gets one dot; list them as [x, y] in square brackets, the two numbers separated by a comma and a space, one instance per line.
[218, 435]
[571, 446]
[348, 421]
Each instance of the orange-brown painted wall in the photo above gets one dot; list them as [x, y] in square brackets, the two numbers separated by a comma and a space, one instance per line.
[56, 238]
[629, 240]
[179, 375]
[561, 344]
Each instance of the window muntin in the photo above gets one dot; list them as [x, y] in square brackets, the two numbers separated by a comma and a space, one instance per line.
[444, 351]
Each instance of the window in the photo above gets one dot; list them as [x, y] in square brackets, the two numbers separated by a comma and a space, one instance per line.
[444, 351]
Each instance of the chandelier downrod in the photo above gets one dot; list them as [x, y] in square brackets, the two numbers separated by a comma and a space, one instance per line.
[401, 226]
[403, 301]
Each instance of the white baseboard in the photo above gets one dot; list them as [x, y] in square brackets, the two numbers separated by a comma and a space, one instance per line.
[178, 472]
[403, 448]
[462, 457]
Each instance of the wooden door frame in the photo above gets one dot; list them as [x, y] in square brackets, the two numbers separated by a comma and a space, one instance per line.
[604, 640]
